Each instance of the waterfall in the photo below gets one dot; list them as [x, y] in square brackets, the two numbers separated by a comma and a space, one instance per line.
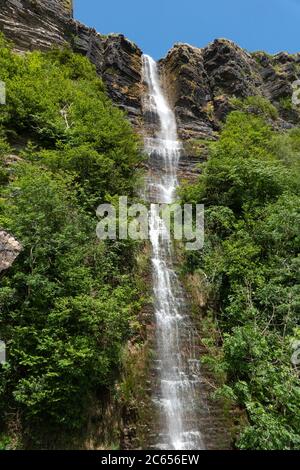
[178, 378]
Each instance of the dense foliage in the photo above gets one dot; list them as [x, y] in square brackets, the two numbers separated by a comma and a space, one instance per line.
[69, 302]
[251, 265]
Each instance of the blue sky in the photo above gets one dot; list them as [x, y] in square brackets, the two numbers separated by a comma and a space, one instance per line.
[270, 25]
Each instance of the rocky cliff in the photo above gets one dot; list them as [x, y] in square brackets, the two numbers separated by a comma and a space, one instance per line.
[35, 24]
[200, 82]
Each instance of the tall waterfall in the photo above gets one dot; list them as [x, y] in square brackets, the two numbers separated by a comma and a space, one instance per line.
[176, 360]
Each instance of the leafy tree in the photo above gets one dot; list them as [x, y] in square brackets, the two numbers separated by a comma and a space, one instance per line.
[69, 303]
[250, 186]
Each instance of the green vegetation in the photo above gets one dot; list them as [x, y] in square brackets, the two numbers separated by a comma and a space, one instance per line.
[251, 188]
[69, 303]
[257, 105]
[286, 104]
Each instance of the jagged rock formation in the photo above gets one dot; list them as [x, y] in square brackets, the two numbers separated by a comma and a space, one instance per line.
[35, 24]
[10, 249]
[201, 82]
[118, 62]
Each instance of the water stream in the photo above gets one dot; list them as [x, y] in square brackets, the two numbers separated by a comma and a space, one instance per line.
[177, 366]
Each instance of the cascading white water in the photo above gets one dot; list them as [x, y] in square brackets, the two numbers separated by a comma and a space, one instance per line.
[176, 361]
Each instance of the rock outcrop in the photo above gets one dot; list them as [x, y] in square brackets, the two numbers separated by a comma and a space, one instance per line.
[35, 24]
[201, 82]
[10, 249]
[187, 84]
[118, 61]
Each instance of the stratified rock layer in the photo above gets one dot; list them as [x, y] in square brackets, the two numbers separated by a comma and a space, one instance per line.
[200, 83]
[187, 84]
[41, 25]
[35, 24]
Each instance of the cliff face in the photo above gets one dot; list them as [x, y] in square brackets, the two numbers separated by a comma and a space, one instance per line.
[35, 24]
[200, 82]
[118, 61]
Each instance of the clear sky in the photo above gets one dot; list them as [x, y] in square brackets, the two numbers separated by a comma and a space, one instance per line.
[155, 25]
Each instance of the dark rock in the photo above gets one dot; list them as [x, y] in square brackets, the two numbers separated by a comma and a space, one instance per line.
[231, 70]
[200, 83]
[187, 84]
[34, 24]
[40, 25]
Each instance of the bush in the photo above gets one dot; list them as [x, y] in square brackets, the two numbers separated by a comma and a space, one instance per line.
[257, 105]
[250, 186]
[67, 304]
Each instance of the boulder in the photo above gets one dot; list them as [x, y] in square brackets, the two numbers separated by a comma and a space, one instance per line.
[10, 249]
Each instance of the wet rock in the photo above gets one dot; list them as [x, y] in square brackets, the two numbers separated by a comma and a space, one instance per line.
[187, 85]
[10, 249]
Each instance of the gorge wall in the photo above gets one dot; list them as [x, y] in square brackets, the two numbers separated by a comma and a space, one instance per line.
[200, 82]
